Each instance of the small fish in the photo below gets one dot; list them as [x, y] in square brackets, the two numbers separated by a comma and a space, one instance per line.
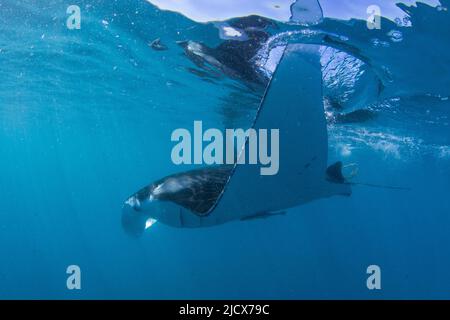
[157, 45]
[263, 215]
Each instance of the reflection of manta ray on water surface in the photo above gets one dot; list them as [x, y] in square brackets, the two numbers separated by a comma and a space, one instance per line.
[234, 56]
[248, 54]
[215, 195]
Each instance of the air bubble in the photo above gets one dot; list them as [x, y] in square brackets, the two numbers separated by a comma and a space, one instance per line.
[377, 43]
[395, 35]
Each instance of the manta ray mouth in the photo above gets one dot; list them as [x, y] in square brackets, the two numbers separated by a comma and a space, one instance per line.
[134, 221]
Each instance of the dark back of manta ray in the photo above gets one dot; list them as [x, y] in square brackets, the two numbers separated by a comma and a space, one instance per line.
[204, 188]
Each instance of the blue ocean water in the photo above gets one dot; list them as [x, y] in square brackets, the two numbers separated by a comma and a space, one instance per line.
[86, 117]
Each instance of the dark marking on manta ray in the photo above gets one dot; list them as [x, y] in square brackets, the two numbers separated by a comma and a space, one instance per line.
[307, 165]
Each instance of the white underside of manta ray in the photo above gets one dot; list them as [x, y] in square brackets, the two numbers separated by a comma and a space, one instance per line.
[293, 103]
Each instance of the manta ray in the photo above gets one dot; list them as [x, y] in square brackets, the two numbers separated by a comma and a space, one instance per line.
[214, 195]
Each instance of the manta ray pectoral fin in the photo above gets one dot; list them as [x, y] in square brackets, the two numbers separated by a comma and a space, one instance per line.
[263, 215]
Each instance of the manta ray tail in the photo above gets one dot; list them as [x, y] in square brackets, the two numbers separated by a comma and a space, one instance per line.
[335, 174]
[380, 186]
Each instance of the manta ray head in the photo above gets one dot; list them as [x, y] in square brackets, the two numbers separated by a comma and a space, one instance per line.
[140, 212]
[156, 202]
[181, 200]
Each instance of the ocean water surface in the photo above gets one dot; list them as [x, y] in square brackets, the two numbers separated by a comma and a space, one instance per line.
[86, 117]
